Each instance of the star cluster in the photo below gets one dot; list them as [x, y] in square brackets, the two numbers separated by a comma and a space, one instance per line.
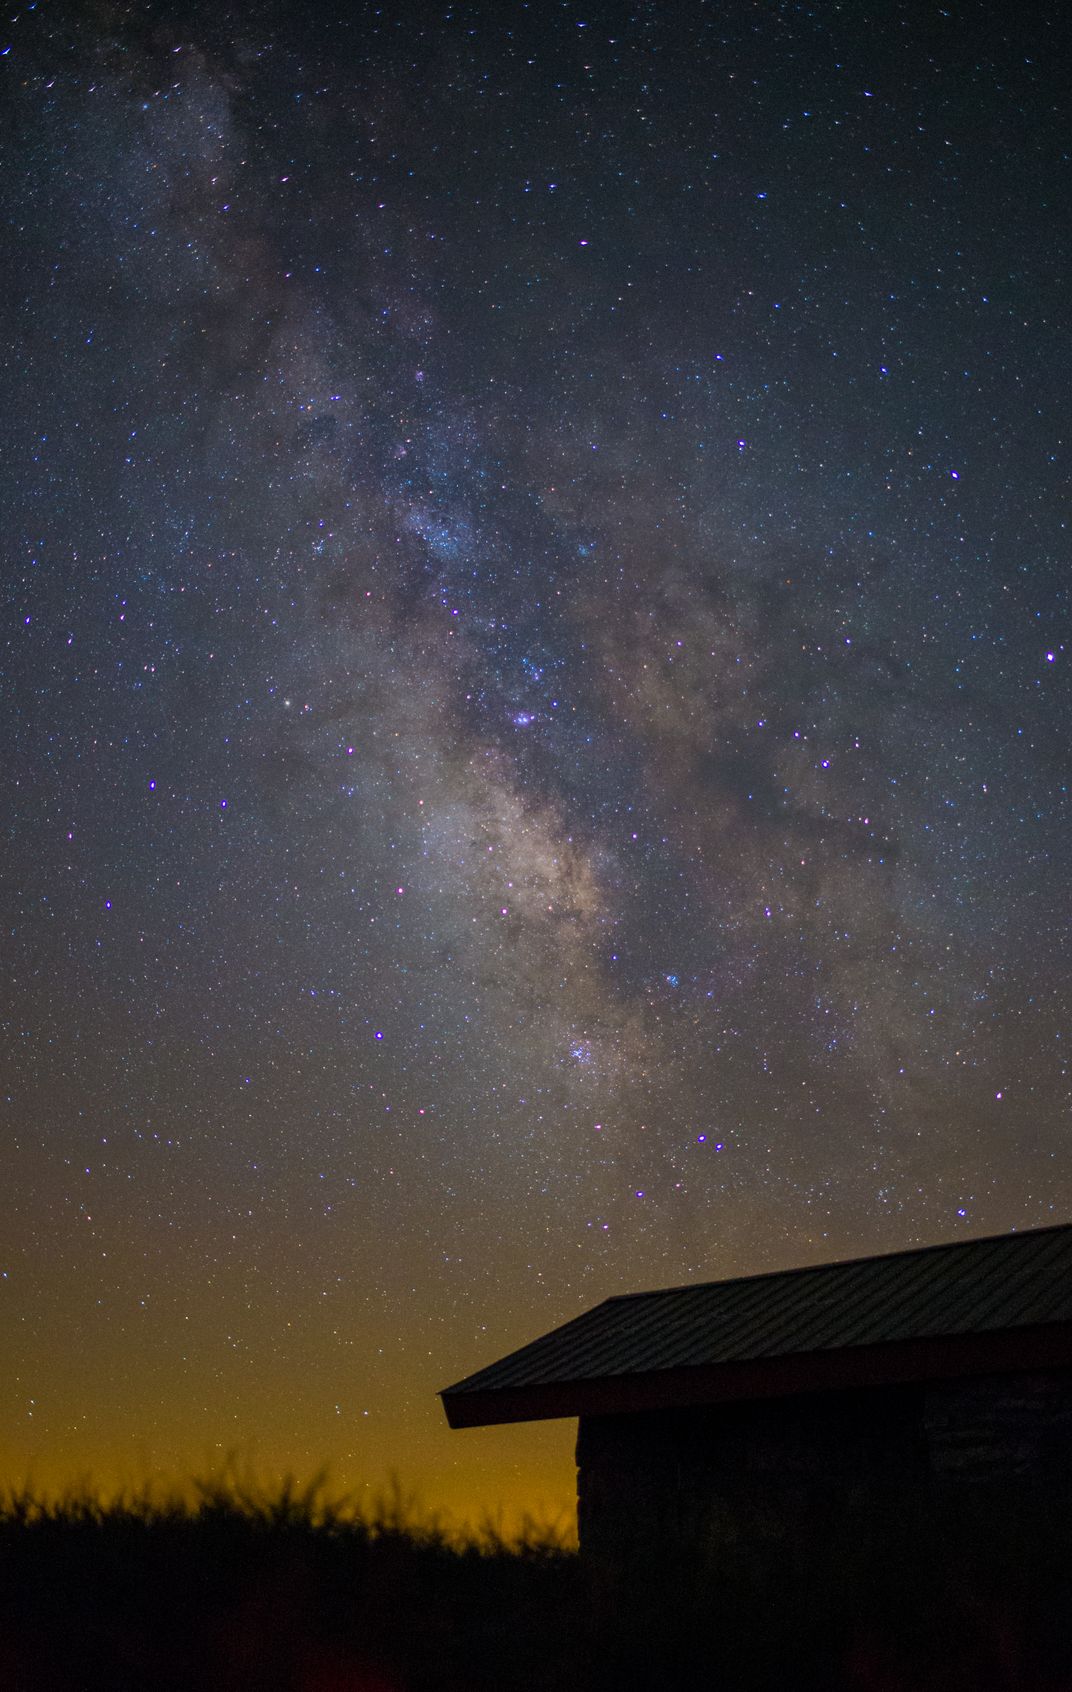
[535, 626]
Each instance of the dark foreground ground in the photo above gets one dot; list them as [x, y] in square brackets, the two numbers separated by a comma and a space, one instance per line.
[242, 1593]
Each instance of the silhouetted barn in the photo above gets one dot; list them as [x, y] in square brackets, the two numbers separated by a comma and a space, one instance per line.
[754, 1410]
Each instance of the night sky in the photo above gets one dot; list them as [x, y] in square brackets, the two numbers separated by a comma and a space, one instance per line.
[535, 693]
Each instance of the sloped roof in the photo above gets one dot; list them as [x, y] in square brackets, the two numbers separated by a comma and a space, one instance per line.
[975, 1306]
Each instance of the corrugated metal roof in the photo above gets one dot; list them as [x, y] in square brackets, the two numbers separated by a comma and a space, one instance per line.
[970, 1287]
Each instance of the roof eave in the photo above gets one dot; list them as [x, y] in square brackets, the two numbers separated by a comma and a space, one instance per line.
[944, 1357]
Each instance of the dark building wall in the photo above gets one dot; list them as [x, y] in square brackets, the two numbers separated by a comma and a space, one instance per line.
[772, 1474]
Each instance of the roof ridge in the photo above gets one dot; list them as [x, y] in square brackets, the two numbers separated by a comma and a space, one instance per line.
[835, 1263]
[990, 1302]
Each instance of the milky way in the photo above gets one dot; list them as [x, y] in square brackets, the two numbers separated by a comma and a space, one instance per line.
[535, 615]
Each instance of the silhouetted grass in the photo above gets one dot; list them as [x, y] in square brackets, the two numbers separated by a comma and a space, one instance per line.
[238, 1588]
[244, 1587]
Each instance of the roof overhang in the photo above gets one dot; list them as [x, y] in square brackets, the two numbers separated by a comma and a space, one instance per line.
[1008, 1350]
